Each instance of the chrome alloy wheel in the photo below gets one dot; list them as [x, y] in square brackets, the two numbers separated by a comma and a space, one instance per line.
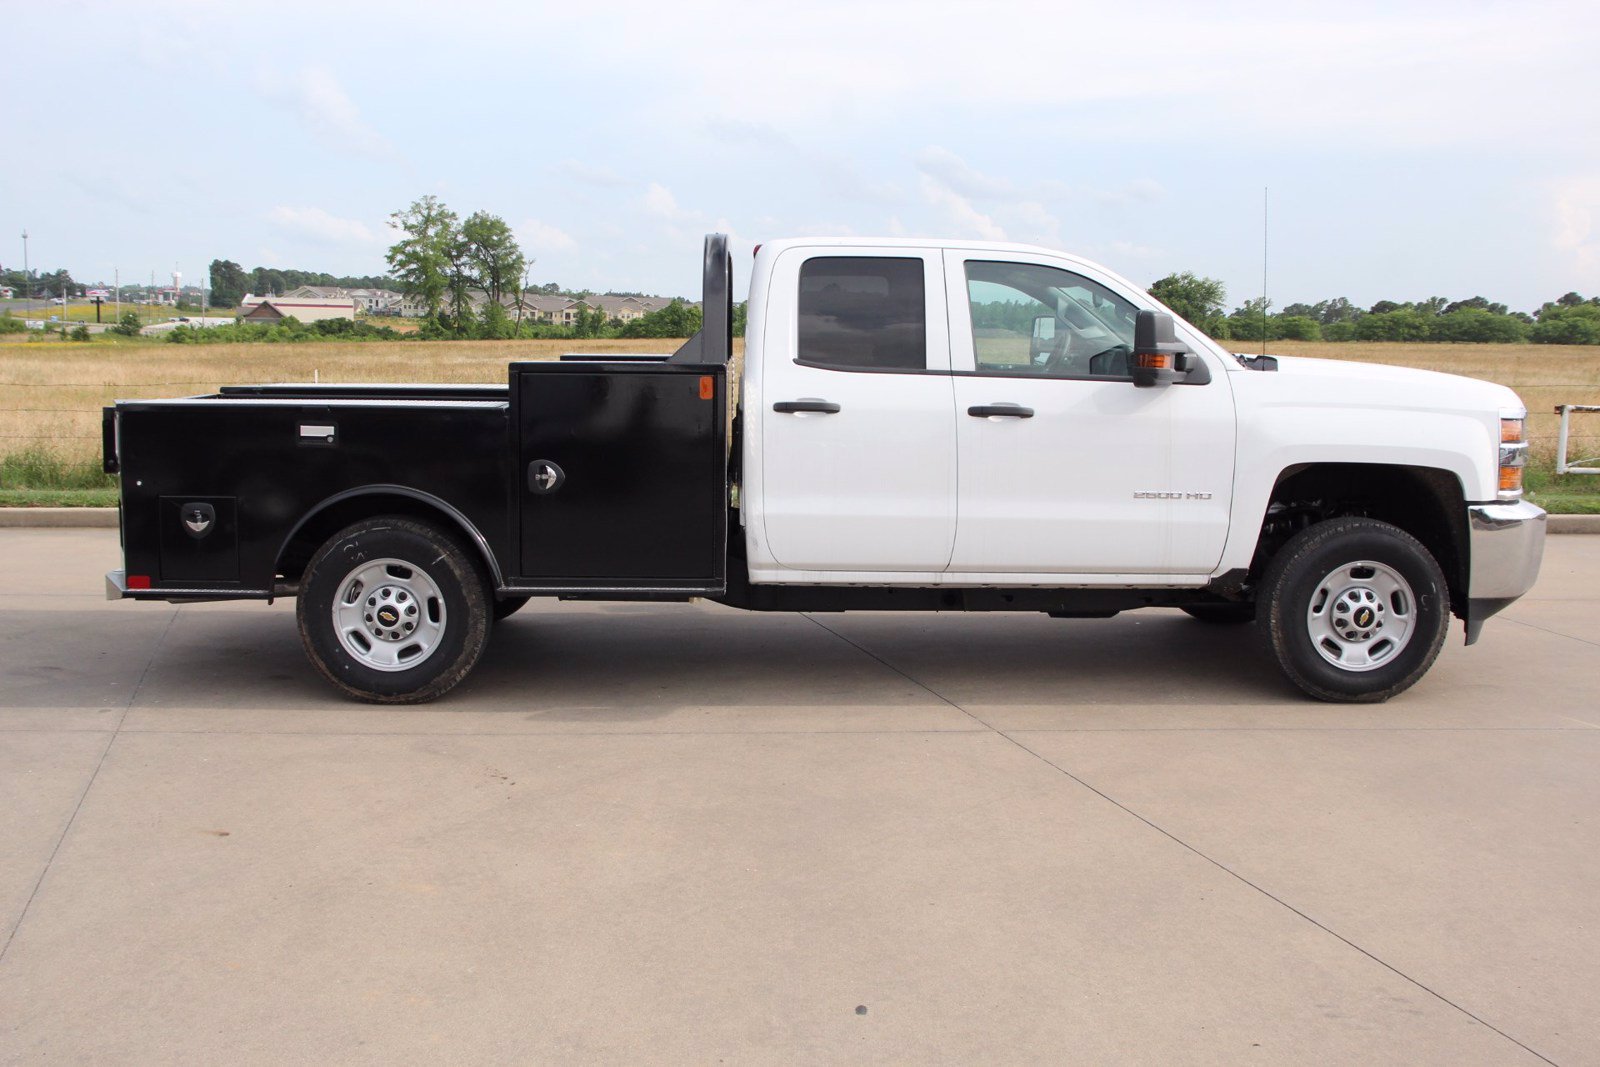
[1361, 616]
[389, 615]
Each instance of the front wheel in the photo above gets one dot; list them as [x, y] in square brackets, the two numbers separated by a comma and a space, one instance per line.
[1355, 610]
[393, 611]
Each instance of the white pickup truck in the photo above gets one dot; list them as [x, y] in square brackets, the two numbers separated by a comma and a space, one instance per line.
[921, 425]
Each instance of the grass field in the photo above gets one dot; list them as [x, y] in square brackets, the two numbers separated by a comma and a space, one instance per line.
[80, 311]
[51, 392]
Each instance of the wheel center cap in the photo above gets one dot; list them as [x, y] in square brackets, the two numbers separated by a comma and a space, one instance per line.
[388, 615]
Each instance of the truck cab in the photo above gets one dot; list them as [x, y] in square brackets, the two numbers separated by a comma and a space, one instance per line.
[914, 425]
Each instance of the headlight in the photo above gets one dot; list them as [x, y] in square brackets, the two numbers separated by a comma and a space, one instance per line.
[1513, 454]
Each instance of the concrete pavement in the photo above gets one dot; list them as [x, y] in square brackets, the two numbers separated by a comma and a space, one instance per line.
[656, 833]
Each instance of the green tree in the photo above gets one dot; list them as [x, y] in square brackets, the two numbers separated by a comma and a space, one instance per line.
[1477, 324]
[1476, 302]
[1252, 321]
[497, 263]
[129, 325]
[1297, 327]
[1401, 324]
[264, 281]
[496, 324]
[1199, 300]
[1567, 324]
[422, 259]
[228, 283]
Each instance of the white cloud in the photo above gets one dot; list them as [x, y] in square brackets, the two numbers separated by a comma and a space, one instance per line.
[954, 172]
[320, 226]
[659, 201]
[321, 104]
[536, 236]
[1575, 230]
[961, 218]
[590, 174]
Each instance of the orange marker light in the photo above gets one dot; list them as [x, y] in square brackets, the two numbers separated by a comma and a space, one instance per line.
[708, 387]
[1510, 430]
[1510, 479]
[1153, 360]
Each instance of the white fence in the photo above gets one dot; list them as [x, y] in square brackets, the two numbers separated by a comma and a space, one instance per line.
[1581, 466]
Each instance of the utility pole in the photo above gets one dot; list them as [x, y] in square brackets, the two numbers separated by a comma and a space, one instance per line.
[117, 275]
[27, 279]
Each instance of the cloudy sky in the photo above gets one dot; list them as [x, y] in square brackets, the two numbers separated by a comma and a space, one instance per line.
[1411, 148]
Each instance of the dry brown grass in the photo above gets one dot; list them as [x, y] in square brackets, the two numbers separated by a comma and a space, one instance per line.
[51, 393]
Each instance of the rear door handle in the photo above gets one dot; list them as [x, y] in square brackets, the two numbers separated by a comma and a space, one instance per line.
[992, 411]
[792, 407]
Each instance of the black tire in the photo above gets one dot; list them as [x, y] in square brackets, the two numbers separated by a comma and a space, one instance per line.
[403, 566]
[1220, 614]
[1378, 594]
[508, 606]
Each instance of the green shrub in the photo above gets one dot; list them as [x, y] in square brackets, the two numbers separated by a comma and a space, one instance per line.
[80, 332]
[129, 325]
[1567, 326]
[11, 325]
[38, 467]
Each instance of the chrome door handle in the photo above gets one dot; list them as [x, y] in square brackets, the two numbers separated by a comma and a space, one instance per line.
[1000, 411]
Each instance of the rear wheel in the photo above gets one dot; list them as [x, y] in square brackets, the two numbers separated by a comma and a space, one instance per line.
[1355, 610]
[393, 611]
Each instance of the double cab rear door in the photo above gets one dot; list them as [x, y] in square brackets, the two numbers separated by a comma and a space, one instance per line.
[969, 415]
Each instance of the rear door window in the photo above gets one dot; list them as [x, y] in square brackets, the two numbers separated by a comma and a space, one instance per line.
[864, 313]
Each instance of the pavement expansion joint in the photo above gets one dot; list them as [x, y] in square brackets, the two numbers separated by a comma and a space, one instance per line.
[1555, 633]
[44, 873]
[1218, 864]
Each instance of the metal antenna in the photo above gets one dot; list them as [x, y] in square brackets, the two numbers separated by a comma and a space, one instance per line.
[1263, 270]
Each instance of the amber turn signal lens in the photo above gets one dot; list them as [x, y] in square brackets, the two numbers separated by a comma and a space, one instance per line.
[1510, 479]
[1510, 431]
[708, 387]
[1152, 360]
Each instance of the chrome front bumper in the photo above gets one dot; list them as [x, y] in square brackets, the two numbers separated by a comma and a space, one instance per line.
[1506, 542]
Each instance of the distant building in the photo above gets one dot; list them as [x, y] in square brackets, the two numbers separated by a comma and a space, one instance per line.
[7, 293]
[626, 308]
[270, 309]
[564, 310]
[367, 301]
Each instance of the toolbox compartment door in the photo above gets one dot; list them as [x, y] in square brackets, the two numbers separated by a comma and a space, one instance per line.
[622, 475]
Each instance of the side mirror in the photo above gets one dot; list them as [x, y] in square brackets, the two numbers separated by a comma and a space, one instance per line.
[1158, 357]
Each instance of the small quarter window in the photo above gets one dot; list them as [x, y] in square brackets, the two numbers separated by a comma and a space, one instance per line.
[863, 313]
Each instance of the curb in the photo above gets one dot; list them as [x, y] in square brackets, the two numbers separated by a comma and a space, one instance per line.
[80, 518]
[57, 518]
[1573, 524]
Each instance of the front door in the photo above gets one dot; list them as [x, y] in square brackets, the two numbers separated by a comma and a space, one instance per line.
[1065, 466]
[858, 454]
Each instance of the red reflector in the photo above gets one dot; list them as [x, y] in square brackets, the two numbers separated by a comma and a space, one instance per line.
[138, 581]
[708, 388]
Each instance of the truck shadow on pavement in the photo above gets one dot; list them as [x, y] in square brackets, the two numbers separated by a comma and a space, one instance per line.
[624, 663]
